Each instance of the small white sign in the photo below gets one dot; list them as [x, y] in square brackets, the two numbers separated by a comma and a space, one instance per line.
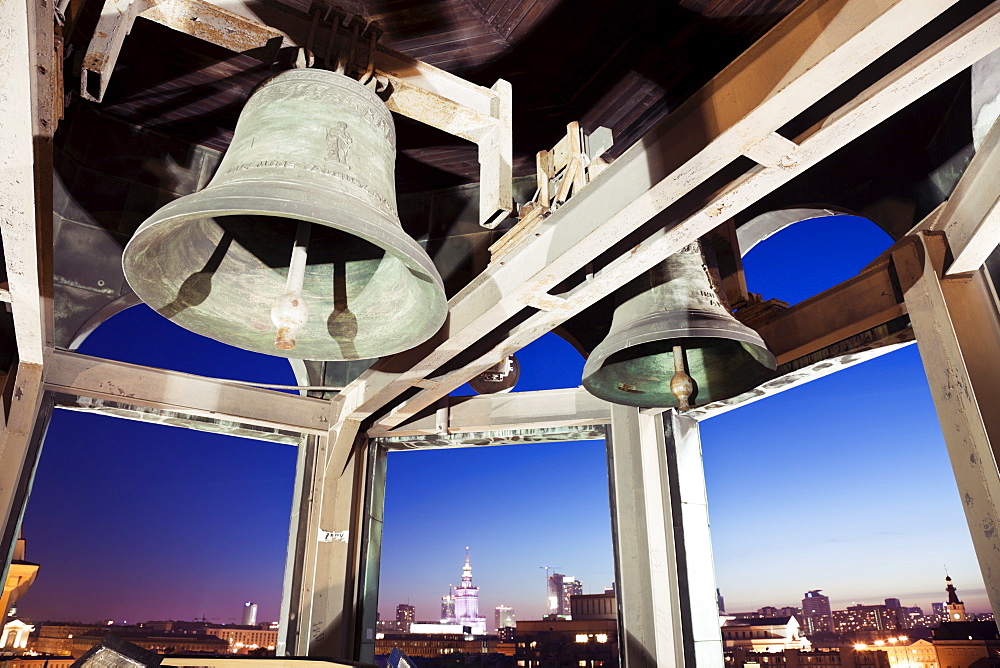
[330, 536]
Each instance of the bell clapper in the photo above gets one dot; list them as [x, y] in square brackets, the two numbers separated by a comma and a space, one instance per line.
[289, 313]
[681, 385]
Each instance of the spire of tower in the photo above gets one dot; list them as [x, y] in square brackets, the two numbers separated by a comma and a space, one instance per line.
[956, 609]
[467, 570]
[952, 592]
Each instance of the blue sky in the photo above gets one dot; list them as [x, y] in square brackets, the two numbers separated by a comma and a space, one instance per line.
[843, 484]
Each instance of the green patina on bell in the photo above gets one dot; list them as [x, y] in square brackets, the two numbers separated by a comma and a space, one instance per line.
[311, 147]
[676, 304]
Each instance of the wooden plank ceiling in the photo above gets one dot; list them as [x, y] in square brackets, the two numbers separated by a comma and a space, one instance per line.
[623, 65]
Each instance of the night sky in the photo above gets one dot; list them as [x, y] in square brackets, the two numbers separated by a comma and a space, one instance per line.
[842, 485]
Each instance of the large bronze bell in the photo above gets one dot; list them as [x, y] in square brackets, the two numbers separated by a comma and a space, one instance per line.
[295, 247]
[674, 343]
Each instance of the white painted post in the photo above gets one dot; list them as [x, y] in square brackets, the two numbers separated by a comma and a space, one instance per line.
[668, 613]
[957, 326]
[328, 566]
[683, 439]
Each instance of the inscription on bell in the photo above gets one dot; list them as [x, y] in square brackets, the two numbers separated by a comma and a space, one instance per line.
[325, 94]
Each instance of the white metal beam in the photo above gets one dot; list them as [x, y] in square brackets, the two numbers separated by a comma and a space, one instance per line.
[971, 217]
[583, 228]
[957, 325]
[26, 39]
[17, 456]
[643, 516]
[543, 409]
[75, 374]
[322, 568]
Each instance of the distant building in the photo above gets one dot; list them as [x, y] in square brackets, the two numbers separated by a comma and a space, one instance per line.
[434, 629]
[249, 614]
[552, 643]
[394, 626]
[154, 641]
[40, 661]
[955, 608]
[571, 587]
[435, 645]
[405, 614]
[893, 603]
[503, 617]
[878, 618]
[792, 658]
[560, 589]
[244, 639]
[57, 639]
[962, 644]
[467, 602]
[816, 613]
[448, 606]
[20, 576]
[15, 635]
[904, 653]
[594, 606]
[721, 602]
[771, 634]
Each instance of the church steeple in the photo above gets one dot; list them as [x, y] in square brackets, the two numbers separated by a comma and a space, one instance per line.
[956, 609]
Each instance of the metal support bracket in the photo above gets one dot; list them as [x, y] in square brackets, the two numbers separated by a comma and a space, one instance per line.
[416, 90]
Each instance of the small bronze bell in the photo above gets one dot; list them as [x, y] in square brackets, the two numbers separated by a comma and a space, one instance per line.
[295, 248]
[674, 343]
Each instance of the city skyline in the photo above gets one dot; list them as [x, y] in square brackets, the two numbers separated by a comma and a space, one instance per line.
[853, 467]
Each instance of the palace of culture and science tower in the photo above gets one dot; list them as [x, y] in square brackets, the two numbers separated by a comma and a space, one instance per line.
[461, 606]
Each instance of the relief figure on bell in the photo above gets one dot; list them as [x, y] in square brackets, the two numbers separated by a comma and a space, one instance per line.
[338, 141]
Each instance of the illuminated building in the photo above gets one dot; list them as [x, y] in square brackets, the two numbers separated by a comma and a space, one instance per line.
[243, 640]
[405, 614]
[566, 642]
[560, 589]
[15, 635]
[503, 617]
[876, 618]
[467, 601]
[57, 639]
[435, 644]
[846, 657]
[448, 606]
[770, 634]
[902, 653]
[249, 614]
[20, 575]
[816, 612]
[159, 642]
[571, 588]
